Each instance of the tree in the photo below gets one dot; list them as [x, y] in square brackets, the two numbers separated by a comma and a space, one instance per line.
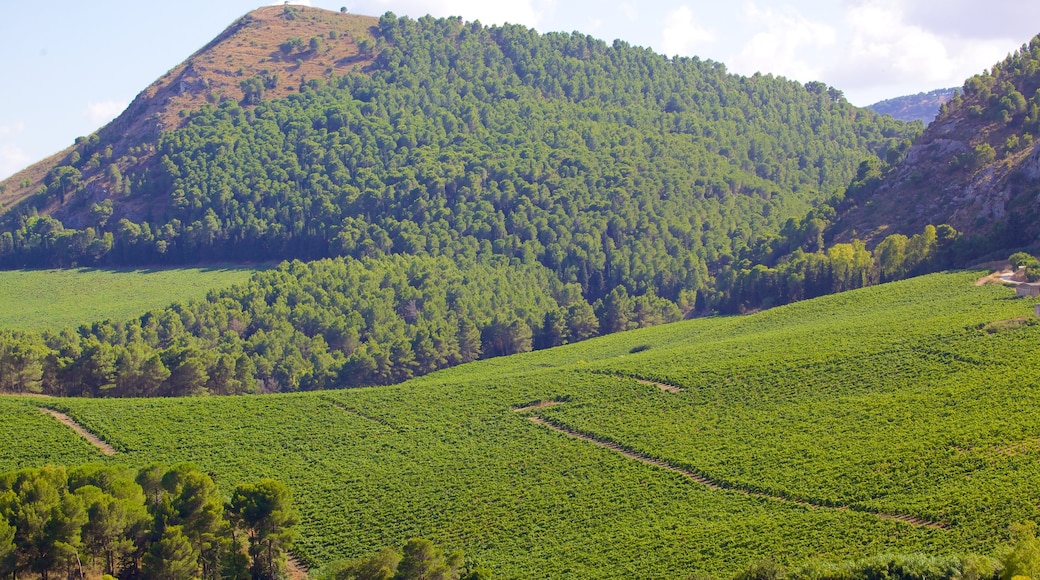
[581, 321]
[265, 511]
[47, 520]
[1023, 557]
[382, 566]
[469, 340]
[1020, 259]
[891, 256]
[615, 311]
[8, 554]
[171, 557]
[116, 513]
[422, 560]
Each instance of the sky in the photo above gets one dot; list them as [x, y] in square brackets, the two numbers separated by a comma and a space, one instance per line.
[70, 67]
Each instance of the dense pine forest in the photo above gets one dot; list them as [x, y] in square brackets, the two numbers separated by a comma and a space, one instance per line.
[320, 325]
[610, 165]
[485, 191]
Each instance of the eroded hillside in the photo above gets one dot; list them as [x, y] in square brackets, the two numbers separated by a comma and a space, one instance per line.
[977, 167]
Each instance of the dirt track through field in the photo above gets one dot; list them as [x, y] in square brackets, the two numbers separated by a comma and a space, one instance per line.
[720, 485]
[536, 406]
[355, 412]
[662, 386]
[72, 424]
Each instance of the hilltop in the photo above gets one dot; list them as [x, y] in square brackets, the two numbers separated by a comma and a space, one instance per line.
[273, 44]
[921, 107]
[614, 167]
[976, 167]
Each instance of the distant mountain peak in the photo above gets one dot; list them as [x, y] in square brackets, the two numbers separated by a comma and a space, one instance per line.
[920, 107]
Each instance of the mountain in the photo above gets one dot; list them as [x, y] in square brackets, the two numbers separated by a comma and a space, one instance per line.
[976, 167]
[273, 44]
[921, 107]
[611, 165]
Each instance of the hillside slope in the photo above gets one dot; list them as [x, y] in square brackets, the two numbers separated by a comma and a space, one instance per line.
[905, 399]
[251, 47]
[609, 164]
[921, 107]
[977, 167]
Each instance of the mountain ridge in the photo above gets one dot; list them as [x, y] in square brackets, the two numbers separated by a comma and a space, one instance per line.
[920, 107]
[977, 167]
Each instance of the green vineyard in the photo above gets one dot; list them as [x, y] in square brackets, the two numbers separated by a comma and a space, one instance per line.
[897, 418]
[41, 300]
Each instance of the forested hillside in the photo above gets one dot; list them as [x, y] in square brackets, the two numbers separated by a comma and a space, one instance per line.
[609, 164]
[324, 324]
[977, 167]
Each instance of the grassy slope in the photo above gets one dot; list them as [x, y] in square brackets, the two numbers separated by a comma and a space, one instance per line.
[887, 399]
[53, 299]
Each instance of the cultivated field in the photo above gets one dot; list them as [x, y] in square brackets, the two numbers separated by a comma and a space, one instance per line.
[891, 419]
[53, 299]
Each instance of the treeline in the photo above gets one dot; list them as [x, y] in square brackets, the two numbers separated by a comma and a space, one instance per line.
[1007, 93]
[614, 167]
[344, 323]
[157, 523]
[782, 275]
[325, 324]
[1019, 559]
[418, 559]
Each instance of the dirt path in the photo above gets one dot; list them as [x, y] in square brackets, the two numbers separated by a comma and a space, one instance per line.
[720, 485]
[343, 407]
[1002, 277]
[72, 424]
[296, 569]
[538, 405]
[662, 386]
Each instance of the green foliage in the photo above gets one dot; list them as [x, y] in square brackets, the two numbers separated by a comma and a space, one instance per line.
[883, 399]
[171, 557]
[419, 559]
[983, 155]
[902, 567]
[265, 510]
[1023, 556]
[608, 164]
[326, 324]
[172, 528]
[800, 274]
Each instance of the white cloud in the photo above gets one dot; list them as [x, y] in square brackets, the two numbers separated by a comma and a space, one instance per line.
[515, 12]
[682, 35]
[889, 51]
[12, 159]
[104, 111]
[782, 46]
[6, 130]
[292, 2]
[1006, 19]
[630, 10]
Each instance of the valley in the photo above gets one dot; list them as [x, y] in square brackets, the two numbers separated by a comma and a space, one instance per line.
[930, 419]
[349, 296]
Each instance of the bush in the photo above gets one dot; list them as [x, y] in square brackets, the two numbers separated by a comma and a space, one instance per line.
[1021, 259]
